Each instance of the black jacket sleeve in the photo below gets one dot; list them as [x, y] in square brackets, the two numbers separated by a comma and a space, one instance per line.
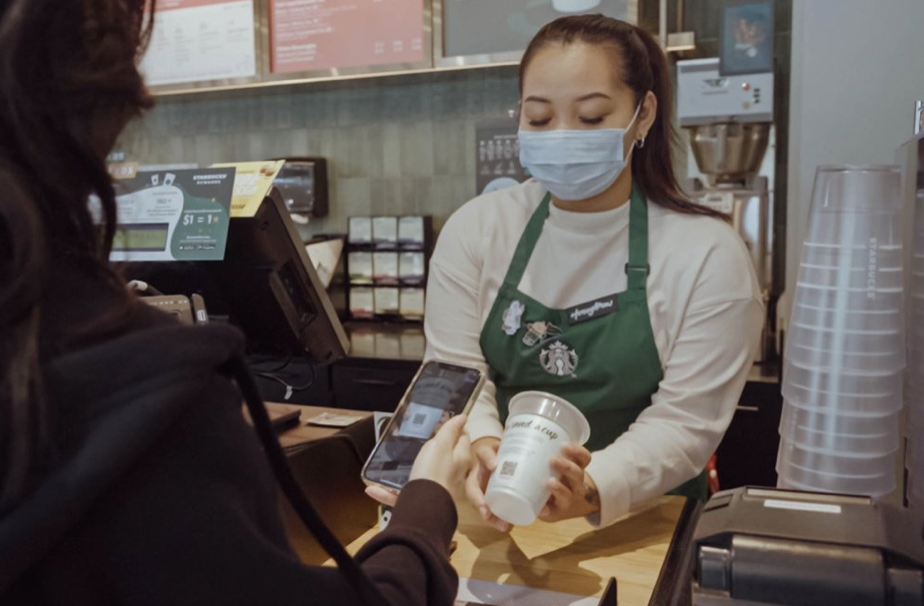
[196, 521]
[416, 543]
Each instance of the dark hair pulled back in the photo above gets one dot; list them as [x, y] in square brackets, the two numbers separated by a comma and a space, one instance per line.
[643, 67]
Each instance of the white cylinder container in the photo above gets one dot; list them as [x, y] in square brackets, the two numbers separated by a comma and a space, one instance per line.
[538, 426]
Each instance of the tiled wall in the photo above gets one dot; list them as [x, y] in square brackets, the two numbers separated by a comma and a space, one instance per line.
[399, 145]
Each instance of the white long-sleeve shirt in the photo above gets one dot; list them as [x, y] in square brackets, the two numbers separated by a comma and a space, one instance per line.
[705, 309]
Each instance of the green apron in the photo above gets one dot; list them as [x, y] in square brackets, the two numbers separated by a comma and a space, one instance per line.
[600, 356]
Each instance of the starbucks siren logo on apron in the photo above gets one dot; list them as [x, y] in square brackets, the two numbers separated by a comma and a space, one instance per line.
[559, 360]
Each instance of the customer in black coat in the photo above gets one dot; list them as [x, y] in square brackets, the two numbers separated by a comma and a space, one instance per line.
[160, 493]
[127, 472]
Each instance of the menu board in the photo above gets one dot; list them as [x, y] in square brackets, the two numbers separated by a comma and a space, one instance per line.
[477, 27]
[308, 35]
[200, 40]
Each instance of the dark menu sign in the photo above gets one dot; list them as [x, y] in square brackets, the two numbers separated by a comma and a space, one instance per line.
[746, 39]
[498, 155]
[476, 27]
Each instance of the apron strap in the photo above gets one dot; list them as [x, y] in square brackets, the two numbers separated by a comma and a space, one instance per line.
[527, 243]
[637, 269]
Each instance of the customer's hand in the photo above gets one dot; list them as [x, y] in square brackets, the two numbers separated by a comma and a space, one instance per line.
[484, 453]
[444, 459]
[573, 492]
[447, 457]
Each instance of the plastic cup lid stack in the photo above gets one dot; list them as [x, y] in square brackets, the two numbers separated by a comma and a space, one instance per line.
[840, 432]
[805, 469]
[843, 379]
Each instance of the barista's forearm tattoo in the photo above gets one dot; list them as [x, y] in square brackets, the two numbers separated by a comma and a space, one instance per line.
[592, 496]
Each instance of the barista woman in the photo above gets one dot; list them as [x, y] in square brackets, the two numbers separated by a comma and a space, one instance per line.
[598, 281]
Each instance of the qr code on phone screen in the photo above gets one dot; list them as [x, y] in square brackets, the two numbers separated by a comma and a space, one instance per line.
[419, 419]
[509, 468]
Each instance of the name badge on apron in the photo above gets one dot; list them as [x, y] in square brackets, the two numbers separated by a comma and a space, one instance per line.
[592, 309]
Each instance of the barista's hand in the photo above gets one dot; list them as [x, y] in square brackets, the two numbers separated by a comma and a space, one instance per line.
[574, 493]
[445, 459]
[484, 453]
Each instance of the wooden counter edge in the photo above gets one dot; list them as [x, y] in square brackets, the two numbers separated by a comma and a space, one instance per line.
[673, 584]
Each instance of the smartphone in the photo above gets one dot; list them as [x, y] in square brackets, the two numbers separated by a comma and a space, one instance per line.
[438, 392]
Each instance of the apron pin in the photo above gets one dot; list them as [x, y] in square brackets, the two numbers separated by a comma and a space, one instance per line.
[512, 317]
[539, 331]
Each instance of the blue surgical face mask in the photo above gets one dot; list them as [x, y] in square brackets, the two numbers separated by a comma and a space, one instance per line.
[575, 164]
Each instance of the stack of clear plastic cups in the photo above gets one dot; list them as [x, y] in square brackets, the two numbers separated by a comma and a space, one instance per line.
[914, 377]
[845, 357]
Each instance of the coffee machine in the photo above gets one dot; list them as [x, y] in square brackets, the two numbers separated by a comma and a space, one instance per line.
[729, 123]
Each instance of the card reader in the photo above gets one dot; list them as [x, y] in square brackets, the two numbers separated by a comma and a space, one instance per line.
[770, 547]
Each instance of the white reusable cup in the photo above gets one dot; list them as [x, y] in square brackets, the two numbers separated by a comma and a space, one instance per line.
[538, 426]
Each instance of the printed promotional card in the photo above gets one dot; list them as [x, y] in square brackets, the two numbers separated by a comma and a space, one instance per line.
[173, 215]
[252, 182]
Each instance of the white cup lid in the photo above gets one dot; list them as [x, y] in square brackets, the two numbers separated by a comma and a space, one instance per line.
[555, 409]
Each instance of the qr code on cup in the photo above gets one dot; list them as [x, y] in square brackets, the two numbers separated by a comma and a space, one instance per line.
[508, 468]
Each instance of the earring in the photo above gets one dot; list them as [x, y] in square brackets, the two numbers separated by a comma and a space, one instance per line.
[640, 143]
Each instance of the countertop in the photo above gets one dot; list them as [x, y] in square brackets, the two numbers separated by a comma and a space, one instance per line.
[646, 553]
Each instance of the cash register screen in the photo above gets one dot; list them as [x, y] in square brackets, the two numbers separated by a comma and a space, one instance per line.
[265, 285]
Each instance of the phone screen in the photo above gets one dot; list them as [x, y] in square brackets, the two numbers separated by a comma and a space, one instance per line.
[440, 392]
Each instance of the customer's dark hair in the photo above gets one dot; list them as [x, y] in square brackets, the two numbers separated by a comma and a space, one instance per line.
[643, 68]
[68, 84]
